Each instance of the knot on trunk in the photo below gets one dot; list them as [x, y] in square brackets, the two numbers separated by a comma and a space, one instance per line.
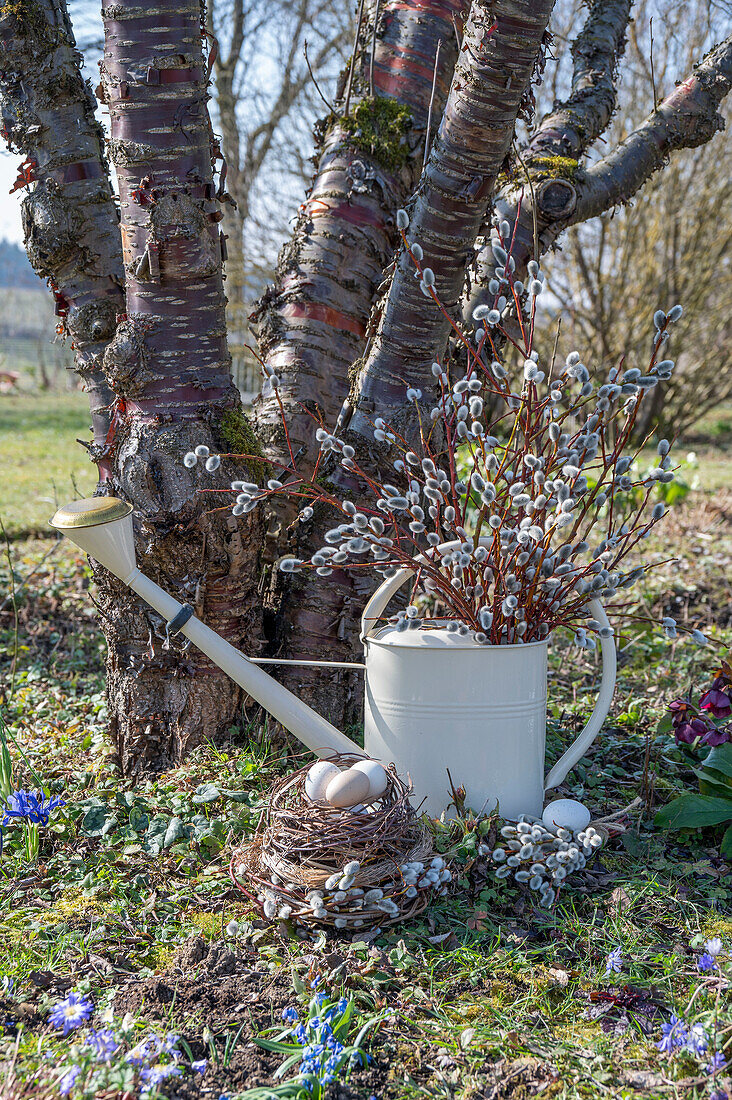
[556, 199]
[51, 228]
[93, 321]
[126, 359]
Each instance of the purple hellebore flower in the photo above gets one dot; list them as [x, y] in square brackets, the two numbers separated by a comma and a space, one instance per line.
[68, 1080]
[680, 708]
[706, 962]
[715, 736]
[687, 731]
[72, 1012]
[614, 961]
[717, 702]
[673, 1035]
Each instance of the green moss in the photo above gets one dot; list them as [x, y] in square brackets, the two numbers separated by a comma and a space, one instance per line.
[237, 435]
[554, 168]
[379, 127]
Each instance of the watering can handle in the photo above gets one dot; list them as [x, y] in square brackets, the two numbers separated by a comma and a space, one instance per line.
[383, 594]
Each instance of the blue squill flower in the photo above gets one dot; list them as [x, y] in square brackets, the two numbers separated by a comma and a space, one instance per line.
[673, 1035]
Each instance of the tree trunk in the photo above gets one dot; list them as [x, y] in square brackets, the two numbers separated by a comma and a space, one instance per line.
[168, 364]
[313, 323]
[501, 48]
[70, 221]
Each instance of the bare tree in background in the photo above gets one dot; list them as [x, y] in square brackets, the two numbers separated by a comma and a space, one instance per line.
[344, 325]
[265, 105]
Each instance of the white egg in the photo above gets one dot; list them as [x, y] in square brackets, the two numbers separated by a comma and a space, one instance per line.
[347, 788]
[566, 813]
[376, 776]
[318, 778]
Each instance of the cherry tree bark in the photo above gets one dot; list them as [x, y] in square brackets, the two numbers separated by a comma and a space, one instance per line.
[70, 220]
[500, 50]
[313, 322]
[168, 365]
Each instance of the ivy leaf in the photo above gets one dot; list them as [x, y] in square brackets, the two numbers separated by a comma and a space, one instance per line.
[207, 792]
[694, 811]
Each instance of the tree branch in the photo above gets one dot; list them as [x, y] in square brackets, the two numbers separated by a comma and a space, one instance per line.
[499, 52]
[70, 220]
[567, 132]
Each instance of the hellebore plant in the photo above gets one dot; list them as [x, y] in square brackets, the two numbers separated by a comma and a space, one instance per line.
[319, 1046]
[697, 727]
[540, 498]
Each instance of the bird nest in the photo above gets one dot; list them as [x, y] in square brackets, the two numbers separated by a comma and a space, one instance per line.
[351, 871]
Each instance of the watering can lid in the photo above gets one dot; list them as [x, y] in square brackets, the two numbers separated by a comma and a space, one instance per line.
[90, 512]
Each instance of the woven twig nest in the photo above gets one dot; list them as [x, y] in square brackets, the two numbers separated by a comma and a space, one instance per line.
[351, 871]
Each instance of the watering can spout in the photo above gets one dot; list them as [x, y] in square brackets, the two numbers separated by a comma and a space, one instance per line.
[102, 526]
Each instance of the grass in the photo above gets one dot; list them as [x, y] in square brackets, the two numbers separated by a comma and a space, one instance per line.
[484, 996]
[41, 464]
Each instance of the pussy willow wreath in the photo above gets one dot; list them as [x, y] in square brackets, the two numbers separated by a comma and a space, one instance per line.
[323, 867]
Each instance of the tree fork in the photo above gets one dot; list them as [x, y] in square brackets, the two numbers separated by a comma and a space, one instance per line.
[70, 221]
[313, 324]
[168, 365]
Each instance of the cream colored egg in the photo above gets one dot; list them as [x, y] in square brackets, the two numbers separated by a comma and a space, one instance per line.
[318, 778]
[347, 789]
[566, 813]
[375, 774]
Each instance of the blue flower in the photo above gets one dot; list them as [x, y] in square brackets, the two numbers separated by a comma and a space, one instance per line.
[103, 1042]
[301, 1034]
[614, 961]
[706, 962]
[33, 806]
[290, 1015]
[673, 1035]
[144, 1049]
[718, 1094]
[68, 1080]
[152, 1076]
[199, 1066]
[169, 1045]
[697, 1042]
[72, 1012]
[717, 1062]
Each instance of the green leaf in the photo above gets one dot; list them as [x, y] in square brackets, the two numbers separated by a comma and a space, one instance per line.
[665, 725]
[720, 759]
[95, 820]
[154, 839]
[176, 831]
[694, 811]
[713, 783]
[725, 848]
[207, 792]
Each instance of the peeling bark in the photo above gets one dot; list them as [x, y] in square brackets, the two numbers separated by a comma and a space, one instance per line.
[70, 221]
[313, 323]
[500, 49]
[168, 364]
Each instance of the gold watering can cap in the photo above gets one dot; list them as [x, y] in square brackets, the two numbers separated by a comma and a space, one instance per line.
[90, 512]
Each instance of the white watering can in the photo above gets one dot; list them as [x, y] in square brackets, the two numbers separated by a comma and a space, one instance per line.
[434, 700]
